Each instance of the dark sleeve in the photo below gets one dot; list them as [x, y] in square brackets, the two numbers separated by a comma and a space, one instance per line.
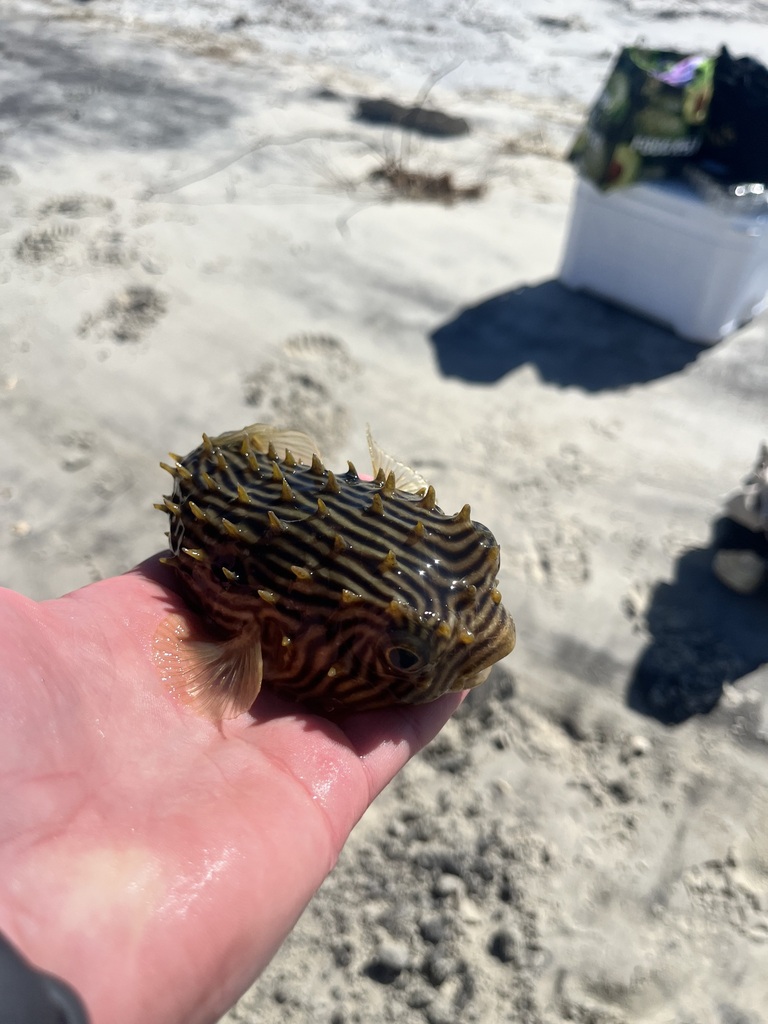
[29, 996]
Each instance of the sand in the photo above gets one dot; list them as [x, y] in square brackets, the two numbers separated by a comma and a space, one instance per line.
[190, 240]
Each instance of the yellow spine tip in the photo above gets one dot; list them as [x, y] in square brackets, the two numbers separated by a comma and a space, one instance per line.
[377, 505]
[230, 528]
[396, 611]
[331, 484]
[274, 522]
[286, 494]
[416, 533]
[268, 596]
[228, 574]
[242, 495]
[388, 563]
[196, 553]
[389, 486]
[196, 511]
[429, 501]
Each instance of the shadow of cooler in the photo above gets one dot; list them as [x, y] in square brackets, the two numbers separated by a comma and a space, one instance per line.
[661, 250]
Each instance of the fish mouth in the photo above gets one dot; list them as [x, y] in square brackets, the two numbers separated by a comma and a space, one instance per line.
[503, 645]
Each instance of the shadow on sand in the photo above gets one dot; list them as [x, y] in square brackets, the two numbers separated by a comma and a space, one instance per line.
[571, 338]
[59, 85]
[703, 636]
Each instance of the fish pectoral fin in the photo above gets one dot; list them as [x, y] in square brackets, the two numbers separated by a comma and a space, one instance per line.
[406, 479]
[224, 678]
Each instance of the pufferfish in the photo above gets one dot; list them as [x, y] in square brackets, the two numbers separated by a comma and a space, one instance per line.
[337, 592]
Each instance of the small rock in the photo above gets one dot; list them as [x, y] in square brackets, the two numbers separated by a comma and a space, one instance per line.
[390, 959]
[448, 885]
[635, 746]
[393, 954]
[470, 912]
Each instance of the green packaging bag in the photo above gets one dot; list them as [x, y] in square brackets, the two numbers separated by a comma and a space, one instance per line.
[648, 120]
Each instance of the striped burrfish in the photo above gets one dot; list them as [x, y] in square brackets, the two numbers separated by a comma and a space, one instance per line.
[338, 592]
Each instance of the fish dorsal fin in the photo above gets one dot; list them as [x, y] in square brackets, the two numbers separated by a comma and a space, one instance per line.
[406, 479]
[223, 679]
[301, 445]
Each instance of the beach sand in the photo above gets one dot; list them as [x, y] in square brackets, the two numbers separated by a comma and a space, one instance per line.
[190, 240]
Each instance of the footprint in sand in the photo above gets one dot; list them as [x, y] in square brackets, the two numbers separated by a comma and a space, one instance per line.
[721, 890]
[301, 384]
[554, 554]
[78, 204]
[59, 240]
[45, 244]
[127, 316]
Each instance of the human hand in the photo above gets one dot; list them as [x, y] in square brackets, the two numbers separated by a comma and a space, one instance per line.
[149, 857]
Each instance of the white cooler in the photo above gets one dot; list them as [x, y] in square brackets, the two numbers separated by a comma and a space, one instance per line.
[666, 253]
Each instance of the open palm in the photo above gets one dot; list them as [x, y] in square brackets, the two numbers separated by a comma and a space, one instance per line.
[149, 857]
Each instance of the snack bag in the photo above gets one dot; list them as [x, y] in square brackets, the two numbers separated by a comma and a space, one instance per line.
[649, 119]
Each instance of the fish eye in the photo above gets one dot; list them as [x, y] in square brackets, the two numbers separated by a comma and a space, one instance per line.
[403, 659]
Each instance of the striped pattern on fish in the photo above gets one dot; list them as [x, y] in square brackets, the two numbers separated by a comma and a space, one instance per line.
[337, 591]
